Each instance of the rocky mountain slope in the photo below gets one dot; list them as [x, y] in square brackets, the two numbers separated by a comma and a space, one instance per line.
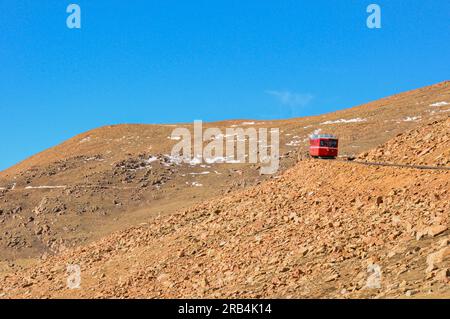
[322, 229]
[115, 177]
[428, 145]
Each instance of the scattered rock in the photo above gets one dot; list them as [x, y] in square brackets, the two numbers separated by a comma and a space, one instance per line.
[436, 230]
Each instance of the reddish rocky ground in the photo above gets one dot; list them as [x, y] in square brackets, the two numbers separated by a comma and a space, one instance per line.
[427, 145]
[116, 177]
[318, 230]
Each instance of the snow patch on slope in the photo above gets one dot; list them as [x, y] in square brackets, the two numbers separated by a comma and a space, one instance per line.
[356, 120]
[443, 103]
[411, 118]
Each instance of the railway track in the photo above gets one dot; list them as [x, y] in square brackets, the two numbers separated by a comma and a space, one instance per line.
[422, 167]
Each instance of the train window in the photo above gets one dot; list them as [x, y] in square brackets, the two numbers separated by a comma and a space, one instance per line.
[328, 143]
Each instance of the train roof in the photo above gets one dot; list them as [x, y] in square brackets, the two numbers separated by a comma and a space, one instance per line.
[317, 136]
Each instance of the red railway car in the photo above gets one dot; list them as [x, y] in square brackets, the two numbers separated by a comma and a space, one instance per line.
[323, 145]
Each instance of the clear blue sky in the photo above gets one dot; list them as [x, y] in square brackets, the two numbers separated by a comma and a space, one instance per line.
[144, 61]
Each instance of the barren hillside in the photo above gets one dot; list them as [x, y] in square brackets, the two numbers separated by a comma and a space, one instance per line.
[318, 230]
[428, 145]
[116, 177]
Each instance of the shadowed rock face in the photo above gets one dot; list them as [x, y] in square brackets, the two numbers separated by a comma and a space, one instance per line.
[311, 230]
